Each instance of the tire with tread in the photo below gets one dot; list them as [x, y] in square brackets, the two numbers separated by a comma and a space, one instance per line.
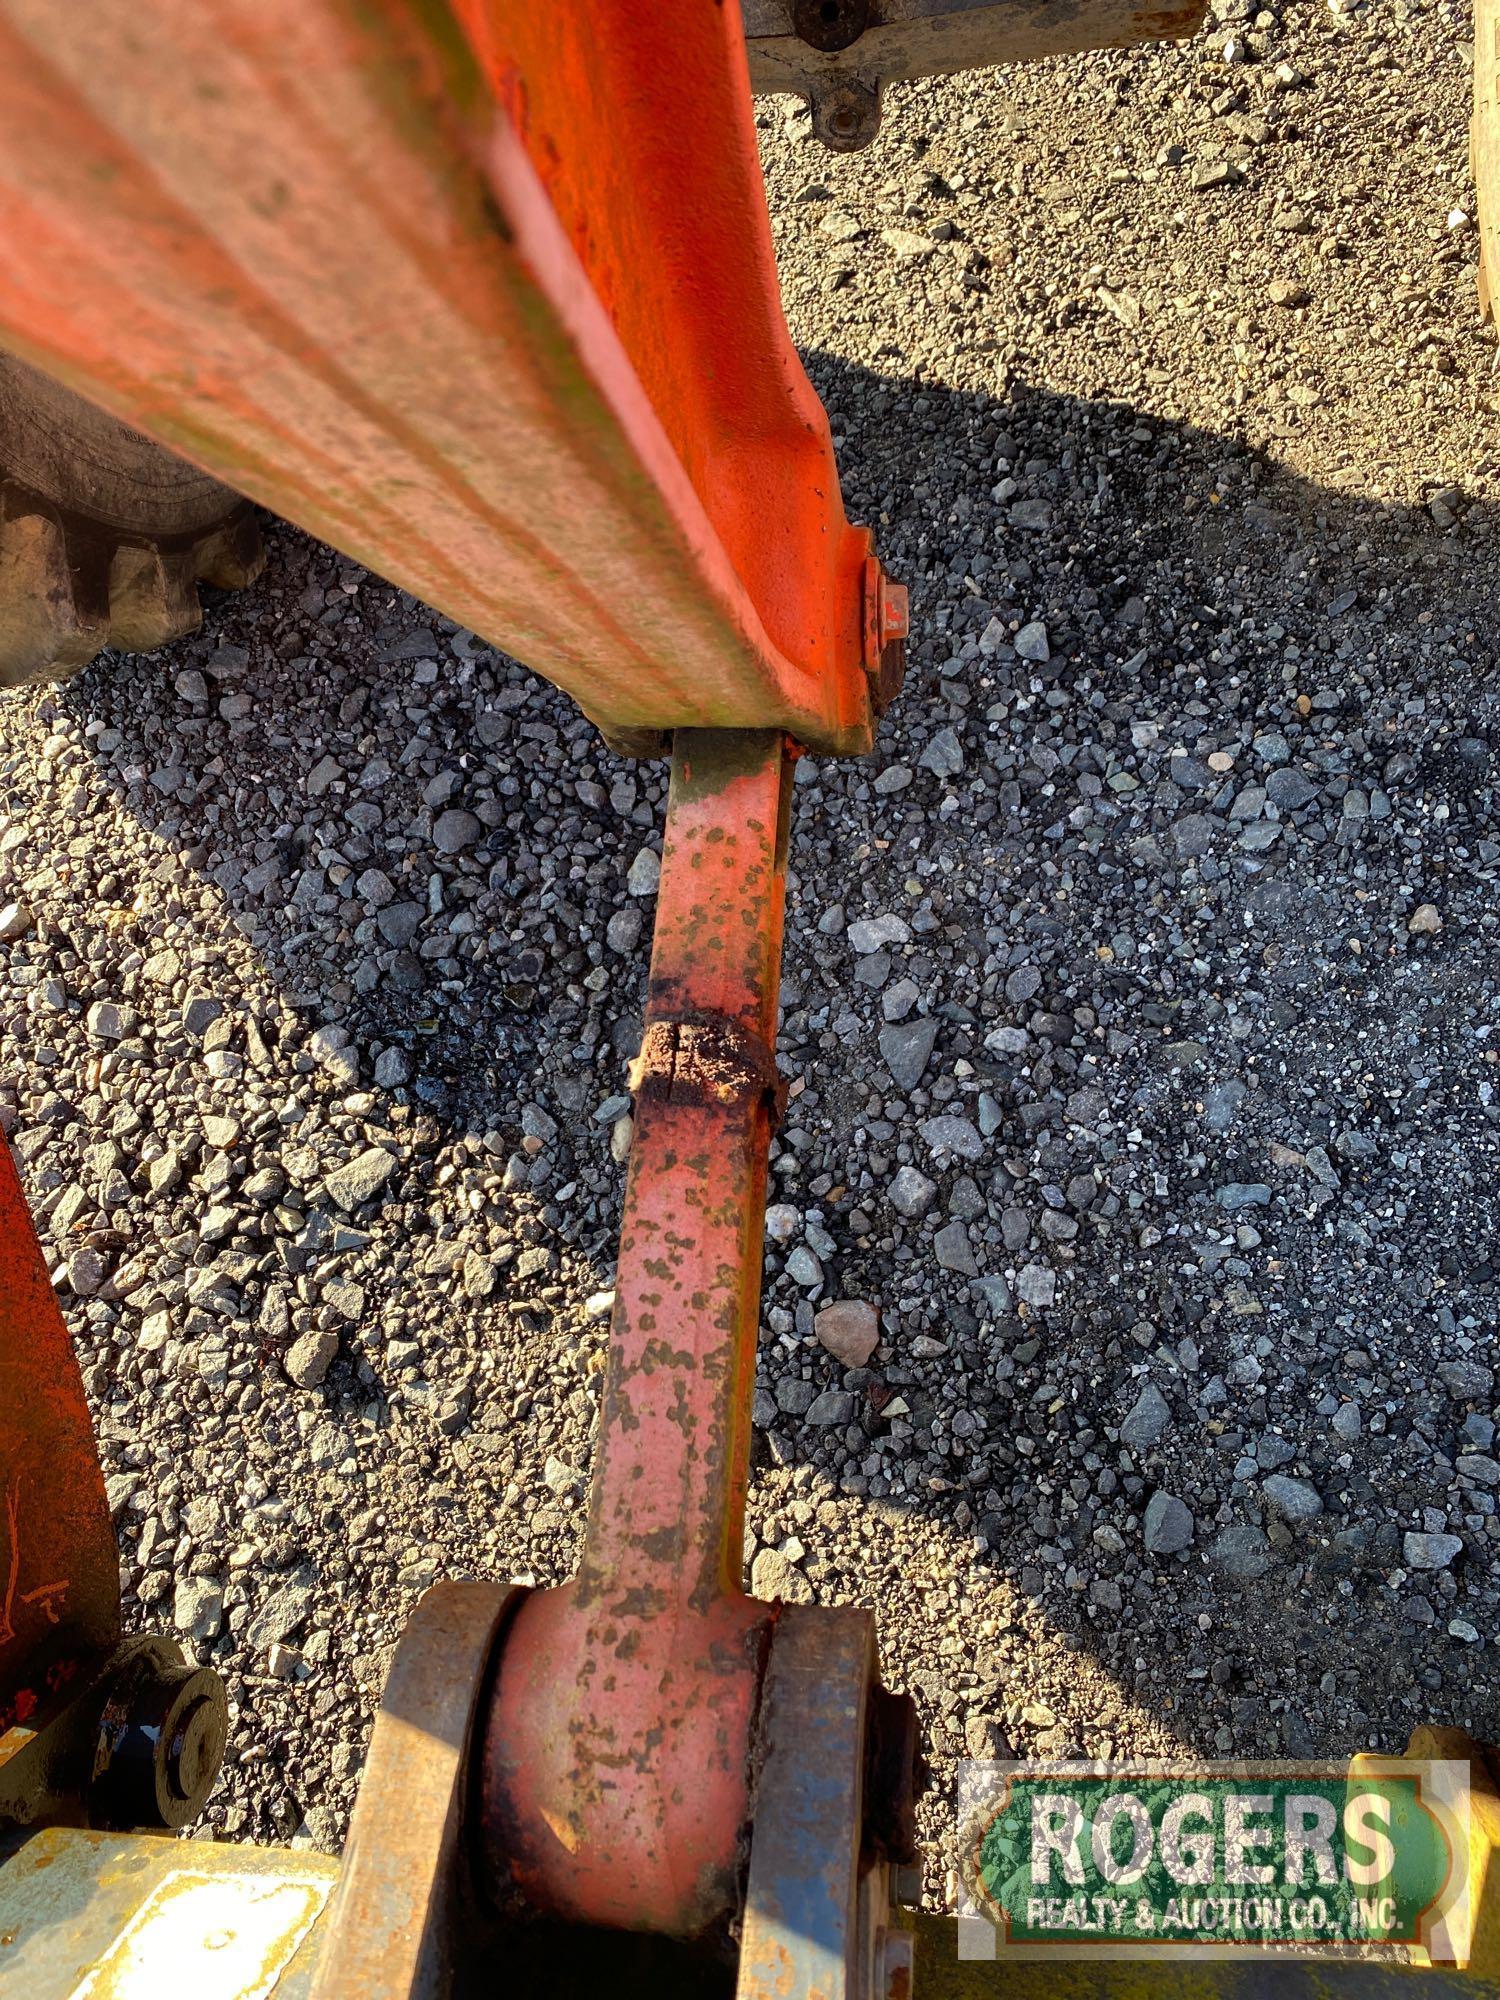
[104, 534]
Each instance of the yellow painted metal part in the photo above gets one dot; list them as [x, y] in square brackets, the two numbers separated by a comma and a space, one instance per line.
[126, 1916]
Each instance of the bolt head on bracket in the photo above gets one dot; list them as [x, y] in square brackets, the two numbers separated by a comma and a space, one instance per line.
[887, 623]
[845, 111]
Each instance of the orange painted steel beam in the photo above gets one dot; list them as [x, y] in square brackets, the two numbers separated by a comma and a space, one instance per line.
[483, 295]
[617, 1763]
[59, 1573]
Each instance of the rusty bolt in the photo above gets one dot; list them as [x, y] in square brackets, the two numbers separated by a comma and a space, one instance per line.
[845, 112]
[893, 1969]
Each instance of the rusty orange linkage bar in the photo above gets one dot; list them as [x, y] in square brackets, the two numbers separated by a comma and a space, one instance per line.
[616, 1765]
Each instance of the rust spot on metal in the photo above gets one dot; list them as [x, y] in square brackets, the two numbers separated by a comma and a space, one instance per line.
[710, 1061]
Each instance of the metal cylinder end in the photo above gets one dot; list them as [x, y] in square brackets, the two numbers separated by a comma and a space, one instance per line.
[845, 112]
[160, 1743]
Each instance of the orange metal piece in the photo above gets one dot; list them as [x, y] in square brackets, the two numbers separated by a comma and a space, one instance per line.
[678, 251]
[617, 1764]
[483, 296]
[59, 1573]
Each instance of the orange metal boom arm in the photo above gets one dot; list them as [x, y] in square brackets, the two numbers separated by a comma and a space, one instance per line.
[484, 297]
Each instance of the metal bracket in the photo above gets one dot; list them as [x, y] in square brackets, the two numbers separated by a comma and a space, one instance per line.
[94, 1730]
[59, 1569]
[818, 1923]
[137, 1742]
[887, 616]
[840, 54]
[401, 1915]
[523, 431]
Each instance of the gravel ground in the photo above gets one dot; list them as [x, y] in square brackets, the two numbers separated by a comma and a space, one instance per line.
[1140, 1000]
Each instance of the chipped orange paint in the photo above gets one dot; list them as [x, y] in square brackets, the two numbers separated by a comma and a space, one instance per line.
[57, 1526]
[49, 1596]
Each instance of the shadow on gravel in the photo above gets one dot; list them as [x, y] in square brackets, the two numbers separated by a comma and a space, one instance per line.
[1164, 989]
[1244, 1140]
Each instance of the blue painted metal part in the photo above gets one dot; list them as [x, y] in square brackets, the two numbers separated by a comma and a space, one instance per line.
[807, 1929]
